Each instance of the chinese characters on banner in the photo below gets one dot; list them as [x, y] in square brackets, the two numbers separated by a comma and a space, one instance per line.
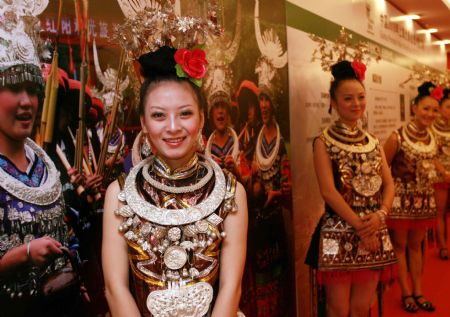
[98, 29]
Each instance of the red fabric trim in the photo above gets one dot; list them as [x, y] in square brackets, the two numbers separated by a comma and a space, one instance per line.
[441, 186]
[387, 274]
[411, 223]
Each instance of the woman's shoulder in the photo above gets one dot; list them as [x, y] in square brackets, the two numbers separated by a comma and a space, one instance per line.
[113, 189]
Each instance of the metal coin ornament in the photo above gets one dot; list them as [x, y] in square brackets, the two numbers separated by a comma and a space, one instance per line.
[175, 257]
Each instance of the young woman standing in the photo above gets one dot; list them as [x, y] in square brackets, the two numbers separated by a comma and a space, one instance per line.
[411, 152]
[178, 211]
[441, 130]
[32, 227]
[351, 247]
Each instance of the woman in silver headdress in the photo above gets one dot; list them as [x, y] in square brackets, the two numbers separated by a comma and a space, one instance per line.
[32, 228]
[351, 248]
[177, 210]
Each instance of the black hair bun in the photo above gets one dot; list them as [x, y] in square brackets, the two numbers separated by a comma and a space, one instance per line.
[425, 88]
[446, 94]
[343, 70]
[158, 63]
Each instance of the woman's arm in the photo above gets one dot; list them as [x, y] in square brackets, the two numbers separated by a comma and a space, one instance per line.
[441, 169]
[391, 148]
[374, 220]
[232, 259]
[324, 173]
[115, 259]
[388, 183]
[37, 252]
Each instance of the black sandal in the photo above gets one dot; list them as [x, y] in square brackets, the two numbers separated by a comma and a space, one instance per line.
[443, 254]
[410, 307]
[425, 305]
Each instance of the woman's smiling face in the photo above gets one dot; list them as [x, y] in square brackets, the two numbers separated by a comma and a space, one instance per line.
[18, 109]
[350, 101]
[172, 119]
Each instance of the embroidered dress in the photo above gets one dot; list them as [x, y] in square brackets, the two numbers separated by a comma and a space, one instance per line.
[267, 283]
[414, 173]
[335, 248]
[441, 131]
[173, 224]
[220, 152]
[231, 146]
[31, 206]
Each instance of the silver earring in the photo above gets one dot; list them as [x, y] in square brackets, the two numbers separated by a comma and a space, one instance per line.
[200, 144]
[146, 149]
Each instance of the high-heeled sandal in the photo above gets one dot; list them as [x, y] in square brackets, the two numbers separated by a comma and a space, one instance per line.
[425, 305]
[443, 254]
[410, 306]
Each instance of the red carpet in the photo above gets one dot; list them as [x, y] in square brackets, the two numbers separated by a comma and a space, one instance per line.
[436, 288]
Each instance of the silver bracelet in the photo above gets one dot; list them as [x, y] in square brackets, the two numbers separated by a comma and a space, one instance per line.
[29, 258]
[382, 214]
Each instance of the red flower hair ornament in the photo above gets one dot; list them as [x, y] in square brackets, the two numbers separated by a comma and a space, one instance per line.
[360, 70]
[437, 93]
[191, 64]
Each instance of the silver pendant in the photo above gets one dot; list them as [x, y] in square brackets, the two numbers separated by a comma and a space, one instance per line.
[186, 301]
[366, 185]
[175, 257]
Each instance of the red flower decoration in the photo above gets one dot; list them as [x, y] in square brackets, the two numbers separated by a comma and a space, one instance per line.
[192, 62]
[437, 93]
[360, 69]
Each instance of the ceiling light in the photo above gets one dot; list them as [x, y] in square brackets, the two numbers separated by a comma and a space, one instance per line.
[427, 31]
[408, 17]
[443, 42]
[381, 5]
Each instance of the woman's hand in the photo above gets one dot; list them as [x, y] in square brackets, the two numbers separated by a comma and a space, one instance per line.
[75, 177]
[370, 243]
[371, 225]
[93, 182]
[44, 250]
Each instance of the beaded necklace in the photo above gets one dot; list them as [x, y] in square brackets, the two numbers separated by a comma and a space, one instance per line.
[266, 163]
[417, 144]
[46, 193]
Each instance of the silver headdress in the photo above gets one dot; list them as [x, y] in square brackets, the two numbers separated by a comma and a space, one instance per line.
[221, 52]
[343, 48]
[423, 73]
[108, 78]
[151, 24]
[19, 39]
[272, 57]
